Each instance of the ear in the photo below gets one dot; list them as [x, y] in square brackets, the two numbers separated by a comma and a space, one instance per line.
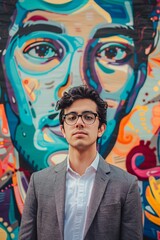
[101, 130]
[62, 130]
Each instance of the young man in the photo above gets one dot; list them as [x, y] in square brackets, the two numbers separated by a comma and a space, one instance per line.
[83, 197]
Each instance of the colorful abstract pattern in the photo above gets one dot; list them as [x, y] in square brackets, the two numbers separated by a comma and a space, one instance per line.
[48, 46]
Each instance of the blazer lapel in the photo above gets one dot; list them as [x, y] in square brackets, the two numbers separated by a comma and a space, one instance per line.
[101, 180]
[60, 187]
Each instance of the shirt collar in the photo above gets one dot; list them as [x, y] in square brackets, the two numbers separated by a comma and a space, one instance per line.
[93, 165]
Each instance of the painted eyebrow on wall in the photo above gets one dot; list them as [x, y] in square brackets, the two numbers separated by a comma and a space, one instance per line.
[39, 27]
[114, 31]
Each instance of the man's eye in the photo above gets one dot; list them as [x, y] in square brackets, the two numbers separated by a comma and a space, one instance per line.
[113, 53]
[88, 117]
[71, 117]
[41, 52]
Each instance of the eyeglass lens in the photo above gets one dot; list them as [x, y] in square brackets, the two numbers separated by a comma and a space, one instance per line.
[87, 118]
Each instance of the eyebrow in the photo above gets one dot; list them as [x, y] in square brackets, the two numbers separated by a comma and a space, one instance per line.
[112, 31]
[86, 111]
[40, 27]
[100, 33]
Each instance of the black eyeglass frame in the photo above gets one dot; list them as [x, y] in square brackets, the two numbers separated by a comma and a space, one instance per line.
[79, 115]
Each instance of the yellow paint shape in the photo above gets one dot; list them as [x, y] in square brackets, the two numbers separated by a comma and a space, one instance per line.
[144, 108]
[47, 138]
[156, 89]
[142, 119]
[3, 234]
[63, 88]
[30, 85]
[152, 218]
[33, 41]
[155, 186]
[152, 201]
[12, 235]
[59, 2]
[115, 39]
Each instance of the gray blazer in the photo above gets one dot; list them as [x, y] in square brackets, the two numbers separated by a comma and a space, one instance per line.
[115, 208]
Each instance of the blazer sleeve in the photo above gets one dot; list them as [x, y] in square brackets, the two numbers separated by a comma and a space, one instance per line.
[131, 224]
[28, 229]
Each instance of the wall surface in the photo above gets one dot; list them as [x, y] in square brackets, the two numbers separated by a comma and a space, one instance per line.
[46, 47]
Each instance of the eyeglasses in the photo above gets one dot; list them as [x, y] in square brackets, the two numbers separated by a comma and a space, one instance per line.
[87, 117]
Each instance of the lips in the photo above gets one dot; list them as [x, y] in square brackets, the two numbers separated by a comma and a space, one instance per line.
[80, 133]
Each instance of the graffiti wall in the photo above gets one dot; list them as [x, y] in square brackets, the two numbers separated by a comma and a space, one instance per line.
[47, 46]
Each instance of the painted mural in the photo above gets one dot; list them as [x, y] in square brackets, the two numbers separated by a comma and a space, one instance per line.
[47, 46]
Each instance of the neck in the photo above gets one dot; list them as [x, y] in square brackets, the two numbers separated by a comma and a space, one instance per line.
[81, 160]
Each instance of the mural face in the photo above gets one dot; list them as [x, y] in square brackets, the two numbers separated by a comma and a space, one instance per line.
[49, 51]
[53, 46]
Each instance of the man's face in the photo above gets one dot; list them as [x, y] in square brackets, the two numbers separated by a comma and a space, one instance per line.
[59, 46]
[82, 136]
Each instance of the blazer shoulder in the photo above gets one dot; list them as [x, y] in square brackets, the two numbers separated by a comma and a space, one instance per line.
[122, 175]
[115, 171]
[44, 180]
[51, 169]
[48, 172]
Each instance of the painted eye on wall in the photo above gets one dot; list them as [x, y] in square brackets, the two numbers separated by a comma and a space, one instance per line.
[44, 51]
[113, 53]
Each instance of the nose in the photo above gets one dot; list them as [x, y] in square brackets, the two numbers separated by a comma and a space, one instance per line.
[79, 122]
[76, 70]
[75, 74]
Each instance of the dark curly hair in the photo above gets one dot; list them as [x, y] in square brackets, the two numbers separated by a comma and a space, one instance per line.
[82, 92]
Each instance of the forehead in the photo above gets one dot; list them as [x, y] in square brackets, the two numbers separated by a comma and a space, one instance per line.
[82, 105]
[76, 18]
[120, 11]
